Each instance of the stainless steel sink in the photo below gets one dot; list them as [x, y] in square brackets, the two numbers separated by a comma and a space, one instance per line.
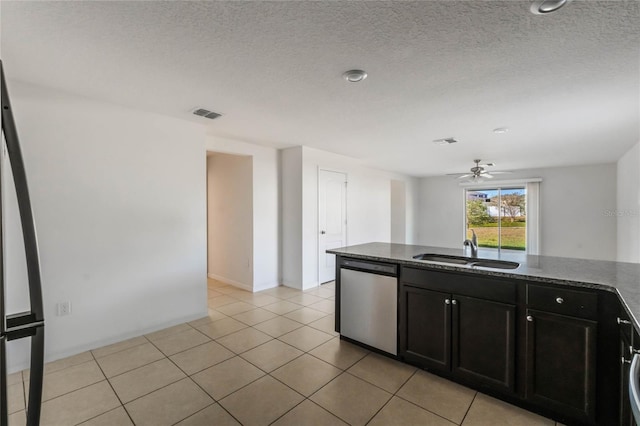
[456, 260]
[497, 264]
[467, 261]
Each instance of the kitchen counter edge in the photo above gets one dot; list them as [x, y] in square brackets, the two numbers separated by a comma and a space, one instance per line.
[618, 277]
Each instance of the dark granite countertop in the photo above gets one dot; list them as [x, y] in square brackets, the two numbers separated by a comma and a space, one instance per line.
[619, 277]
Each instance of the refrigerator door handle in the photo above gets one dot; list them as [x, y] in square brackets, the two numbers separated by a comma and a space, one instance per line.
[33, 273]
[24, 203]
[4, 404]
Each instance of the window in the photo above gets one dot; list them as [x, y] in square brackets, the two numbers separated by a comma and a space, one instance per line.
[498, 216]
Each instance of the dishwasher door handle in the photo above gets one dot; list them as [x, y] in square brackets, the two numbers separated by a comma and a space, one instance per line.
[634, 387]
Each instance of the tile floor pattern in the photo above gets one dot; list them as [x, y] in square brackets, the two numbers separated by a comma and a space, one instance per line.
[256, 359]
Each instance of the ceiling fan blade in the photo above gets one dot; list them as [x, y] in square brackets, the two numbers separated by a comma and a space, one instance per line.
[486, 175]
[501, 173]
[457, 174]
[487, 165]
[464, 176]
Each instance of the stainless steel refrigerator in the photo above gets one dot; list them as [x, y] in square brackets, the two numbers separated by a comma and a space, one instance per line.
[30, 323]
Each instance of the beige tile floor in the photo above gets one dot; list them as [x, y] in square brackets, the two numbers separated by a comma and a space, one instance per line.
[256, 359]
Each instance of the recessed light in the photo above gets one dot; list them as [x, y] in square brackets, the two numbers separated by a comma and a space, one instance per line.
[354, 76]
[543, 7]
[500, 130]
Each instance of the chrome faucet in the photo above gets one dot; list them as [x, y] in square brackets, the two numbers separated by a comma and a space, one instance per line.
[473, 243]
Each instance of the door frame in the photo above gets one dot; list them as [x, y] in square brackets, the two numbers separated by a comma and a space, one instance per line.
[346, 207]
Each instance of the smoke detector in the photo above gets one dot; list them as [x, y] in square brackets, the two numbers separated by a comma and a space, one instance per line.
[544, 7]
[354, 76]
[206, 113]
[445, 141]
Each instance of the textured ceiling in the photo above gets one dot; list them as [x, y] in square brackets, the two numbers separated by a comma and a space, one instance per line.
[567, 85]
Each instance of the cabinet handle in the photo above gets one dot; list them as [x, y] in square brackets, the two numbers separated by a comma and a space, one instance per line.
[529, 318]
[559, 300]
[454, 302]
[623, 321]
[447, 301]
[623, 360]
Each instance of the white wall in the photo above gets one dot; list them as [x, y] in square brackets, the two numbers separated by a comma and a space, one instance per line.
[573, 206]
[266, 231]
[119, 203]
[398, 211]
[230, 219]
[628, 206]
[291, 211]
[368, 207]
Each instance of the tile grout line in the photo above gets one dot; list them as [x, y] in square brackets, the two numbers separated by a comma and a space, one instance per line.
[118, 351]
[71, 391]
[164, 356]
[199, 411]
[289, 410]
[187, 375]
[469, 408]
[269, 374]
[215, 401]
[392, 395]
[161, 387]
[416, 405]
[113, 390]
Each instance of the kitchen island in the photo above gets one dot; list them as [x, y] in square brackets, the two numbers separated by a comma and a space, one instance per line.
[548, 335]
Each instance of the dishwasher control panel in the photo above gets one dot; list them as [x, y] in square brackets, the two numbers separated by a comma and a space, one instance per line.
[379, 268]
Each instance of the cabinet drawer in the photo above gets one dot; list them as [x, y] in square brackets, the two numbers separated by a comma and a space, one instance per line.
[463, 284]
[562, 301]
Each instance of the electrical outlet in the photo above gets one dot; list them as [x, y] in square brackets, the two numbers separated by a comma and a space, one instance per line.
[64, 308]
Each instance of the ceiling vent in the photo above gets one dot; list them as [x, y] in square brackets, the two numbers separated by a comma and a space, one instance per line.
[445, 141]
[206, 113]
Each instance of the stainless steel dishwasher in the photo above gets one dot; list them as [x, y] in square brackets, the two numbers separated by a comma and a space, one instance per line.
[369, 304]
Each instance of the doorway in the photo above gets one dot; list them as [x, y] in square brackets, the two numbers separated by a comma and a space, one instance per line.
[230, 219]
[332, 220]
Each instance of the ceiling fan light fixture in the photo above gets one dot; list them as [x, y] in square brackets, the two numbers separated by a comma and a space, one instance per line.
[545, 7]
[475, 179]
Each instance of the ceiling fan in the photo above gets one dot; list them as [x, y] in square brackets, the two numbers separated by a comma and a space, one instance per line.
[477, 173]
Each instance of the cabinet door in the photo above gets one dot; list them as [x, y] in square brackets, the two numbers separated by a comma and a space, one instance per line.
[561, 363]
[425, 333]
[626, 417]
[484, 341]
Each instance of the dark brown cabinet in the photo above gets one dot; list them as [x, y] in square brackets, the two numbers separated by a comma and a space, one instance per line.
[425, 325]
[561, 363]
[484, 341]
[469, 337]
[552, 348]
[626, 351]
[561, 351]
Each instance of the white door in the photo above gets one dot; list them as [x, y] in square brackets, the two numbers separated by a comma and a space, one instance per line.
[332, 220]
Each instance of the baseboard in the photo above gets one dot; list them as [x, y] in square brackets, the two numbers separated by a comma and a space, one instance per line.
[54, 356]
[230, 282]
[309, 286]
[291, 284]
[266, 287]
